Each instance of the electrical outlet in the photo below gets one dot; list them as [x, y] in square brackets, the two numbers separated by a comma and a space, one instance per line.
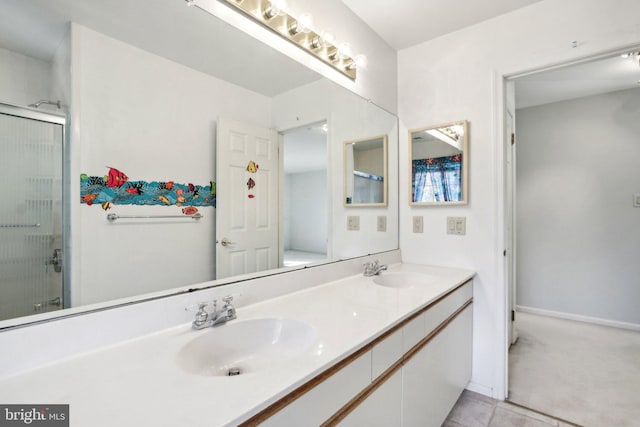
[457, 225]
[382, 223]
[418, 225]
[353, 223]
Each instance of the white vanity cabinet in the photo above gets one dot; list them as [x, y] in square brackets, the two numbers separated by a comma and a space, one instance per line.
[434, 377]
[410, 376]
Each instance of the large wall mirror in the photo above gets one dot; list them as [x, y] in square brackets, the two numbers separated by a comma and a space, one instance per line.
[439, 158]
[147, 86]
[365, 172]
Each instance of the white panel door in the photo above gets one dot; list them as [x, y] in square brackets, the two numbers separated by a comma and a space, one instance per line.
[246, 198]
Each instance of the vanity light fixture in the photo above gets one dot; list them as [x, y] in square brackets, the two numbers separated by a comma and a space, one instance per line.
[274, 15]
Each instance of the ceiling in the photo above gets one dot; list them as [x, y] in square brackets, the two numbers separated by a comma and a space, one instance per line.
[404, 23]
[609, 74]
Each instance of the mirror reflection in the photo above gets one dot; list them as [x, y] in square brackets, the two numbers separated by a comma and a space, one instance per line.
[439, 164]
[365, 170]
[146, 108]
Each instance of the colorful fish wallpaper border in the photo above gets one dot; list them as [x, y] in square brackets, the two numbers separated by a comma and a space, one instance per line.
[116, 189]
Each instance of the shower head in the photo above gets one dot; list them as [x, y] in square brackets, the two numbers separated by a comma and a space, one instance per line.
[44, 101]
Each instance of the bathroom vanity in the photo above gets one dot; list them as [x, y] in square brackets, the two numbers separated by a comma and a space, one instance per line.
[389, 350]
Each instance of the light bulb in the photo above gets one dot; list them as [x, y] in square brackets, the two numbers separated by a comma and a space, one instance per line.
[305, 21]
[361, 61]
[344, 51]
[327, 38]
[275, 8]
[301, 25]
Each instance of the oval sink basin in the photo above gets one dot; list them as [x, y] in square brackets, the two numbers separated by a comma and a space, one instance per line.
[244, 347]
[403, 280]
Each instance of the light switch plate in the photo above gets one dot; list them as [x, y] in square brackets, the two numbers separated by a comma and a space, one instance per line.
[636, 200]
[382, 223]
[457, 225]
[418, 224]
[353, 223]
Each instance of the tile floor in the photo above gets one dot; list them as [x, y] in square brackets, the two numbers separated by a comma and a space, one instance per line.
[476, 410]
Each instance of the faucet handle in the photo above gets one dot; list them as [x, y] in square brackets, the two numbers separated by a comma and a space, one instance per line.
[227, 300]
[201, 316]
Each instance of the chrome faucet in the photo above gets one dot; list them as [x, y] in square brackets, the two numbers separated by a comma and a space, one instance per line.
[373, 268]
[205, 319]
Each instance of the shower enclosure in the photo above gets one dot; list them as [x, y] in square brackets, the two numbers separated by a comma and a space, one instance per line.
[31, 221]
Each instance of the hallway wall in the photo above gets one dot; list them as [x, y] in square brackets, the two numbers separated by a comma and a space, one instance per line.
[578, 232]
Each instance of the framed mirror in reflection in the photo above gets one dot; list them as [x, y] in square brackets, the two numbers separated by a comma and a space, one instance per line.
[365, 172]
[439, 158]
[146, 104]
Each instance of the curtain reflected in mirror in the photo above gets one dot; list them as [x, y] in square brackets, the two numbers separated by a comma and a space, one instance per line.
[439, 160]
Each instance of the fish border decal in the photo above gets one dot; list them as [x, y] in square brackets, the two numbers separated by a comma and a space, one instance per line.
[116, 189]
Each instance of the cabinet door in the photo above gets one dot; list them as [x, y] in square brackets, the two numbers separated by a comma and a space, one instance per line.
[434, 377]
[381, 409]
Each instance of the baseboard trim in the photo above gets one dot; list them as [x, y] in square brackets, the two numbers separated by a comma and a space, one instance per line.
[579, 318]
[481, 389]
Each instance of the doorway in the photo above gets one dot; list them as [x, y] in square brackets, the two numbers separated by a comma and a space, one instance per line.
[31, 217]
[305, 194]
[572, 262]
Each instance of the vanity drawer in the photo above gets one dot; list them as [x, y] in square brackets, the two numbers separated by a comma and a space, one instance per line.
[412, 332]
[318, 403]
[437, 313]
[385, 353]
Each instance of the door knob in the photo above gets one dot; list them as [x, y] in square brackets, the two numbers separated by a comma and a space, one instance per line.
[226, 242]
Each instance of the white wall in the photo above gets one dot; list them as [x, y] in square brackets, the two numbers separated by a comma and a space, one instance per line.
[349, 118]
[459, 76]
[23, 79]
[154, 120]
[306, 212]
[578, 232]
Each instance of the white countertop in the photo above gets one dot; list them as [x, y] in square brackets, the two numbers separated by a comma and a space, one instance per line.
[139, 383]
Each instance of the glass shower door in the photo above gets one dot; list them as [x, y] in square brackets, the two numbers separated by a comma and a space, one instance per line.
[30, 212]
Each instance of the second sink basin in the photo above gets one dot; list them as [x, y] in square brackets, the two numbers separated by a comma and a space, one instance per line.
[403, 280]
[248, 346]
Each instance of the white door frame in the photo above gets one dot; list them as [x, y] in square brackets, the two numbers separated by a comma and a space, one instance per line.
[500, 79]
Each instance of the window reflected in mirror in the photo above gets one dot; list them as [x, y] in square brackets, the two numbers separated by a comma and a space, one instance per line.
[439, 164]
[365, 172]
